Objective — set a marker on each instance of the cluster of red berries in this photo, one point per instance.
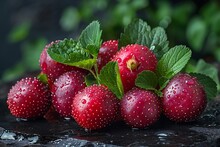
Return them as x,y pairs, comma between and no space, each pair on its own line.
95,106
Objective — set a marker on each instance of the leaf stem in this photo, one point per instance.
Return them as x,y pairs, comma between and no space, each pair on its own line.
97,73
95,76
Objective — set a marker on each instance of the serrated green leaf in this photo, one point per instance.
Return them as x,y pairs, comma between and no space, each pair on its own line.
207,69
90,80
163,81
173,61
71,52
85,64
139,32
90,38
158,42
110,76
135,32
147,80
208,83
93,50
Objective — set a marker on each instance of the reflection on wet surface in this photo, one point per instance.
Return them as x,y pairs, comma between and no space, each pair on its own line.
61,132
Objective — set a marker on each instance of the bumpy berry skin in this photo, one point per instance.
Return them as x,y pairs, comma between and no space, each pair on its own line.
64,89
29,98
106,52
140,108
95,107
184,99
132,60
52,68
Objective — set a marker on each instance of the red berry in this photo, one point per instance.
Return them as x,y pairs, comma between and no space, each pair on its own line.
140,108
184,99
132,60
64,89
95,107
106,52
52,68
29,98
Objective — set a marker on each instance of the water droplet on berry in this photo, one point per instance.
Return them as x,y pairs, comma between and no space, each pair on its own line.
128,98
119,60
184,91
83,101
62,85
190,82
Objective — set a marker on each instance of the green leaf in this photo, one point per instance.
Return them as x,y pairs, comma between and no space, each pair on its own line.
110,77
163,81
158,41
31,51
19,32
215,22
135,32
85,64
139,4
43,78
196,33
182,13
207,69
90,38
71,52
217,53
90,80
173,61
147,80
13,73
208,83
139,32
70,19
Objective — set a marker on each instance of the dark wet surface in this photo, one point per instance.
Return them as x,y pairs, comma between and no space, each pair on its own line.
60,132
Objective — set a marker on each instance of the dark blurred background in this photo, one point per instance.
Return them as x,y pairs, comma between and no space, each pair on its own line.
28,25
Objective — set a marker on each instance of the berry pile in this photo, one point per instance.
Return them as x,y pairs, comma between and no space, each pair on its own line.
134,79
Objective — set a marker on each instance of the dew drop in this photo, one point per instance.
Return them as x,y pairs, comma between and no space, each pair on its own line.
190,82
67,118
62,85
33,139
184,91
119,60
128,98
162,135
83,101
